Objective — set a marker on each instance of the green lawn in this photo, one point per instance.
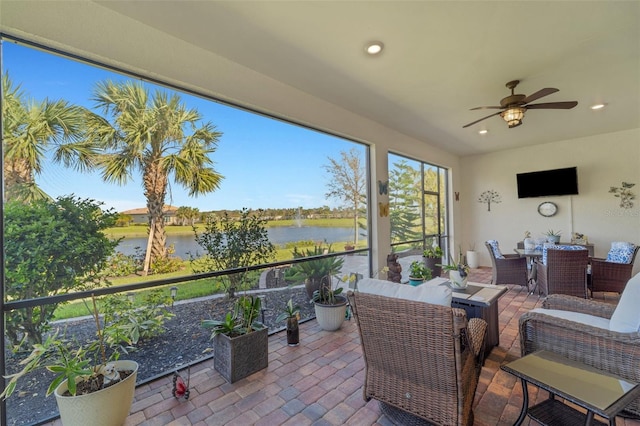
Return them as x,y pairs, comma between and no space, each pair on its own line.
141,230
191,289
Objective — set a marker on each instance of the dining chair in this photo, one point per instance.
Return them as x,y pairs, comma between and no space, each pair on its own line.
563,270
613,272
507,268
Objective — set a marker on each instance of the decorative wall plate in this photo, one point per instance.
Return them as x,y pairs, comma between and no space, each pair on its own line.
547,209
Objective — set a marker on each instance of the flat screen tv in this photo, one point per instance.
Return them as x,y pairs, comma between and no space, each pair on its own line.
548,182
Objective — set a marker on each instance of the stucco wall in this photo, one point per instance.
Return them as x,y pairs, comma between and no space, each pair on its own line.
602,161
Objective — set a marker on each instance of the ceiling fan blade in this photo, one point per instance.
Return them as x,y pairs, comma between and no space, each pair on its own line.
539,94
553,105
486,107
484,118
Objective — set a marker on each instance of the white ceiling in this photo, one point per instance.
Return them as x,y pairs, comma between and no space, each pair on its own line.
441,58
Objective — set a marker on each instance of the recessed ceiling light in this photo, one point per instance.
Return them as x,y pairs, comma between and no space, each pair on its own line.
483,132
374,47
598,106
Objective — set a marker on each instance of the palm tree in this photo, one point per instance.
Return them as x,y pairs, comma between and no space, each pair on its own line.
30,129
187,215
158,137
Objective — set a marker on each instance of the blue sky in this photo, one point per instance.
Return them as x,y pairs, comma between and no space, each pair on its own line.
265,163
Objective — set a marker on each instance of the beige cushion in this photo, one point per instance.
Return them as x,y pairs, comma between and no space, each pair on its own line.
579,317
436,295
626,317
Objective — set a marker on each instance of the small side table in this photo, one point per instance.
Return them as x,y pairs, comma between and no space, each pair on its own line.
596,391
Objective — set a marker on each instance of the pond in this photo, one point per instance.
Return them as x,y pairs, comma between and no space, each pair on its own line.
186,244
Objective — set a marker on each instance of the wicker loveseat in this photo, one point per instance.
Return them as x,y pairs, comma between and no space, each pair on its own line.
422,360
596,333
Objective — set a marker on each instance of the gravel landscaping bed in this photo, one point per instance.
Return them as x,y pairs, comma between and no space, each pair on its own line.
184,342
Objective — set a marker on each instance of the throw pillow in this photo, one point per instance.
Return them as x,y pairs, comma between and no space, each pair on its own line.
436,295
626,317
621,252
495,248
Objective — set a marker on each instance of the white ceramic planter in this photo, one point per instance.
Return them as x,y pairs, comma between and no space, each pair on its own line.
554,239
331,317
107,407
472,259
456,280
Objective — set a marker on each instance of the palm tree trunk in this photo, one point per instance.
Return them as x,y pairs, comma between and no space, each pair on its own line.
156,230
155,187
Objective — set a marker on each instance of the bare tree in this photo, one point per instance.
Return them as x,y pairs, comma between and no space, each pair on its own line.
348,183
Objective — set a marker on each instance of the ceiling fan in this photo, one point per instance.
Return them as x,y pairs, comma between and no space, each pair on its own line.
514,106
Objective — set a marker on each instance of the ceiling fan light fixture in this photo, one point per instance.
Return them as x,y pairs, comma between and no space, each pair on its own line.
374,47
483,131
513,116
598,106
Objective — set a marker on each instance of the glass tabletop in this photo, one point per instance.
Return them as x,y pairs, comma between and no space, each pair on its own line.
528,253
570,379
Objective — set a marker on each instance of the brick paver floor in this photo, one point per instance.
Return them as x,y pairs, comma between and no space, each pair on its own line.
320,381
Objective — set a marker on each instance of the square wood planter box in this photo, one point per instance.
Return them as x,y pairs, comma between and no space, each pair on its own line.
238,357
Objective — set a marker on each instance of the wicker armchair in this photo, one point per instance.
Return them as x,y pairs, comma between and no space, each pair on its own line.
422,361
610,276
510,270
564,273
618,353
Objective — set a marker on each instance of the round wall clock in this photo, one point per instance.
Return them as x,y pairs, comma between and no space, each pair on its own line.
547,209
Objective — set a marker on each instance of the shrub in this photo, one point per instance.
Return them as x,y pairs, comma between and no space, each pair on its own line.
232,243
51,247
126,323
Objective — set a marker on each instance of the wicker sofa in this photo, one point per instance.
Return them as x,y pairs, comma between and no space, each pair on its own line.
595,333
422,360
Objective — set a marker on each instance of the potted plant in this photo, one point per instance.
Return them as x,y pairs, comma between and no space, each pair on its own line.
553,236
240,342
458,273
90,388
418,273
330,305
313,272
431,258
291,313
